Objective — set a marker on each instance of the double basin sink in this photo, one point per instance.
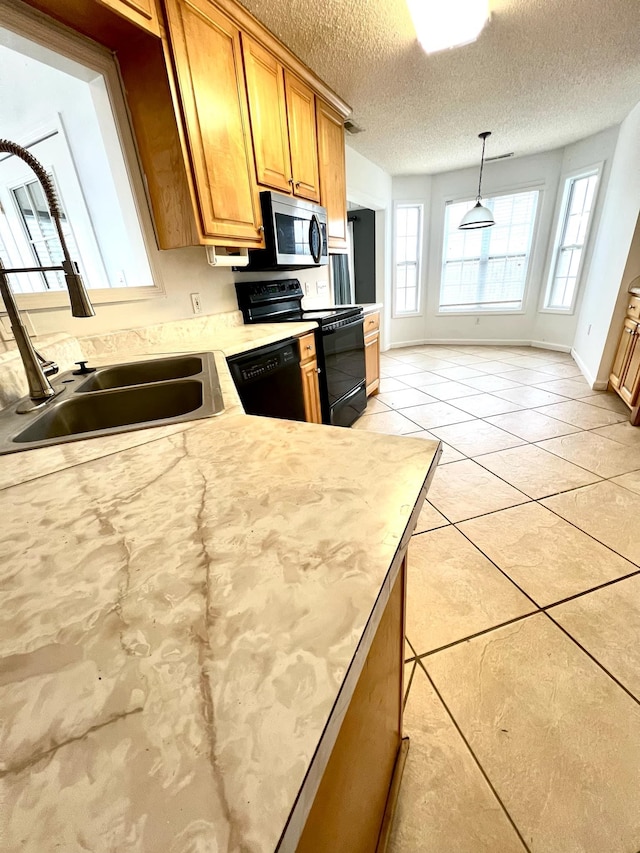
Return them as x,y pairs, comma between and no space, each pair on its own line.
117,398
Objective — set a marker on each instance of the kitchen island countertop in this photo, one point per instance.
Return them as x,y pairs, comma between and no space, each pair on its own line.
181,619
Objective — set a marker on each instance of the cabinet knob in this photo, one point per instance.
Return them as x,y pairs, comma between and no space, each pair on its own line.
630,308
297,184
629,331
291,181
309,346
260,228
318,370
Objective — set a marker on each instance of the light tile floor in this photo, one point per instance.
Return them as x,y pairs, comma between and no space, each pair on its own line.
523,606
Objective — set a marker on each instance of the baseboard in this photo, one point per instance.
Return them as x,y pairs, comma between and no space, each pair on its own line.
597,385
554,347
497,342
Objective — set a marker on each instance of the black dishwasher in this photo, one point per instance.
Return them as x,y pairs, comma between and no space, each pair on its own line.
269,381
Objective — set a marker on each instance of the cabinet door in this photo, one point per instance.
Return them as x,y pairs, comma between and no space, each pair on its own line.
630,384
372,361
311,392
301,115
141,12
333,184
208,63
268,112
622,355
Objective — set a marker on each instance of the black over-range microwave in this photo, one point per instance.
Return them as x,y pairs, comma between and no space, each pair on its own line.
295,233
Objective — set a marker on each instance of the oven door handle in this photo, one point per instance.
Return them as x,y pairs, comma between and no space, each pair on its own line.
329,330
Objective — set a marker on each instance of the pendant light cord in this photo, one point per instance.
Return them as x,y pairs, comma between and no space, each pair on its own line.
484,142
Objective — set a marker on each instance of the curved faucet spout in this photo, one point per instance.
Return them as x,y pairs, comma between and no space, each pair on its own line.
40,389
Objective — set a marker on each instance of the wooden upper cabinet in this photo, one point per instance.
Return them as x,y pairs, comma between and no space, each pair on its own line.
301,115
333,186
268,111
141,12
205,46
106,21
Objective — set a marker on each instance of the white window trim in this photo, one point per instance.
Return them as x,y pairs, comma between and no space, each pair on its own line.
395,314
558,222
511,190
31,25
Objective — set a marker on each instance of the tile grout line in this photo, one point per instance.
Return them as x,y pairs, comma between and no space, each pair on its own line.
475,757
482,633
594,659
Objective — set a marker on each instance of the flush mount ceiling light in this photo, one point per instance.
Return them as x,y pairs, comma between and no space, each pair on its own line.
441,24
479,216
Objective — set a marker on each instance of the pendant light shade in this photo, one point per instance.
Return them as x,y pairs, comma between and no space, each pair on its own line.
479,216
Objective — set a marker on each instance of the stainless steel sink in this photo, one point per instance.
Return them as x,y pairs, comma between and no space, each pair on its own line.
118,398
141,372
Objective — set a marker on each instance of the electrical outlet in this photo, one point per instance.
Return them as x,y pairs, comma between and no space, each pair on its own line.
196,304
5,329
6,332
321,288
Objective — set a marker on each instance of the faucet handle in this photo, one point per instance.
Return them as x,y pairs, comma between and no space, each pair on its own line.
83,369
49,368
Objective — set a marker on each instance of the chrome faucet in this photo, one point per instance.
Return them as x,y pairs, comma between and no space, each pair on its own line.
36,367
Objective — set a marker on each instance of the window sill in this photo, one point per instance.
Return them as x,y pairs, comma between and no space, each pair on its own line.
406,314
53,300
566,311
485,312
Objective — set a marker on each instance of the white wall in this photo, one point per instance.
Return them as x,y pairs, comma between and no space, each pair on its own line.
603,306
543,172
370,186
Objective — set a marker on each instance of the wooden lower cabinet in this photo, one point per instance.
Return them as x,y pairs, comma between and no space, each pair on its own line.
625,372
372,352
310,383
354,804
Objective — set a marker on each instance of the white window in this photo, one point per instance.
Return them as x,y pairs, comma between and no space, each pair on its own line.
573,227
62,102
408,257
486,269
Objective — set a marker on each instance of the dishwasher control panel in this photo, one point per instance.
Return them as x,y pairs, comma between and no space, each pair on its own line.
263,366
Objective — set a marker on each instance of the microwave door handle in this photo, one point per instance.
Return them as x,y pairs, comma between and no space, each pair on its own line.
315,222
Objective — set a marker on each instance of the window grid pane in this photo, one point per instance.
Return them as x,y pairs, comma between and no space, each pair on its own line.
575,223
486,268
41,231
407,258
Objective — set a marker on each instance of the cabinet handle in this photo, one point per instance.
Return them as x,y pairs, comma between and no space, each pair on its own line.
291,181
297,184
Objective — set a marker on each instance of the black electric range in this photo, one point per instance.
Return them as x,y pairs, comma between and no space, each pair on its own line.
339,342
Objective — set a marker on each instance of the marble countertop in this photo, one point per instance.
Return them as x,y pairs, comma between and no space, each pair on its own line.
184,611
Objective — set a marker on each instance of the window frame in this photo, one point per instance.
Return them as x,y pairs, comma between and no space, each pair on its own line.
538,187
395,313
29,25
560,218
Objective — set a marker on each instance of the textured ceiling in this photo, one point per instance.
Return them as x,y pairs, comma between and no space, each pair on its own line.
543,73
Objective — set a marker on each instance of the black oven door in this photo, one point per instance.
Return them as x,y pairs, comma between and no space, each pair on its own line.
344,366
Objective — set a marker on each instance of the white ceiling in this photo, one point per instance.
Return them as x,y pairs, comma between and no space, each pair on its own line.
543,73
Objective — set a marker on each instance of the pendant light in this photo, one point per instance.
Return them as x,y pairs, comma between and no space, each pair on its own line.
479,216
